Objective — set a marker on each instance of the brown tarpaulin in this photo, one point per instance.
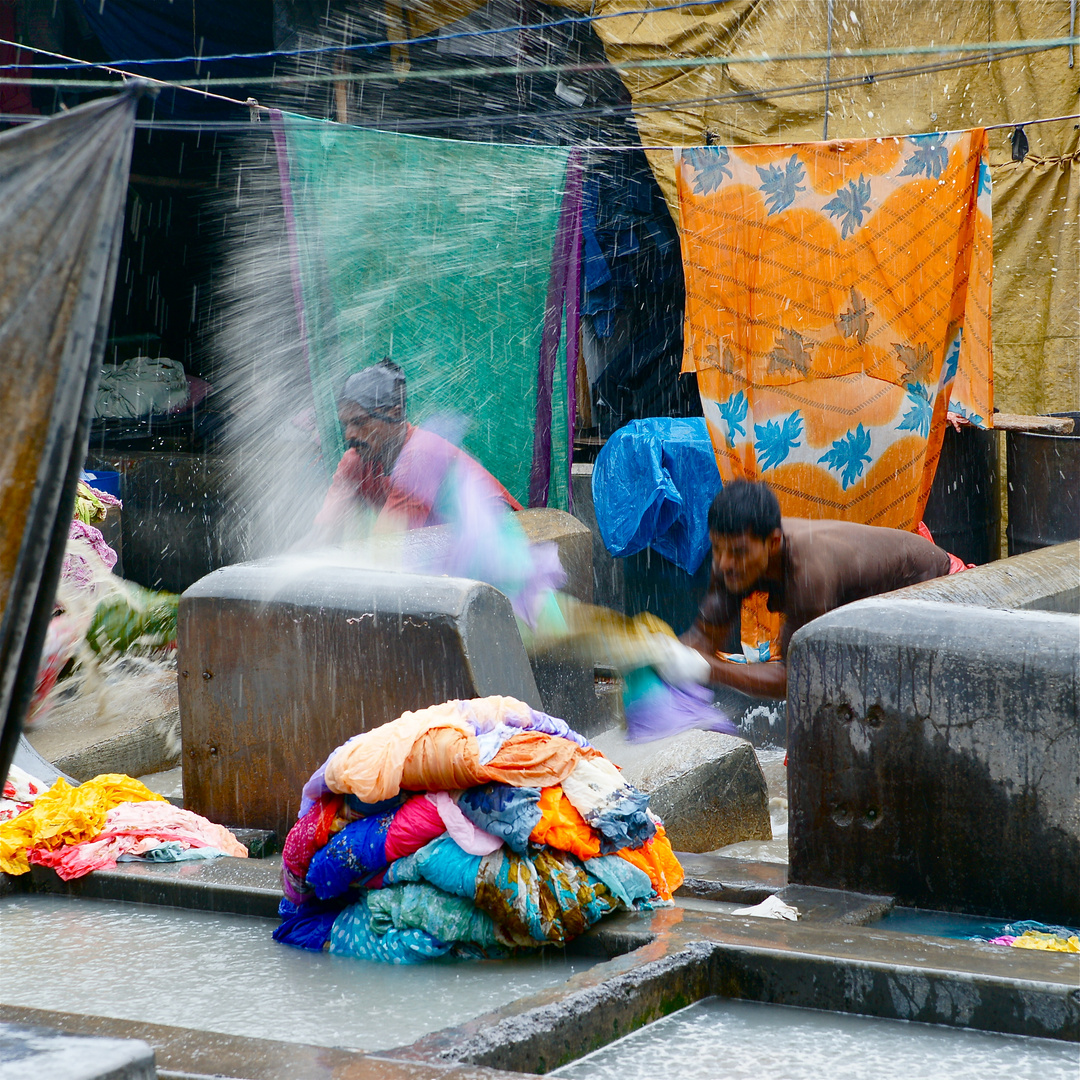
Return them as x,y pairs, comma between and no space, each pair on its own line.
62,188
1035,204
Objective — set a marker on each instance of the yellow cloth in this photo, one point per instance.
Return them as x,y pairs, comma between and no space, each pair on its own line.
1034,939
66,815
605,636
88,507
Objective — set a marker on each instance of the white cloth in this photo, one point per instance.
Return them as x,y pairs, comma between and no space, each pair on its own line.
772,907
141,386
679,665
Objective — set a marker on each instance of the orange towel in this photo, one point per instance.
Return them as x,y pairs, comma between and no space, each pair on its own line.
561,826
442,759
657,859
531,759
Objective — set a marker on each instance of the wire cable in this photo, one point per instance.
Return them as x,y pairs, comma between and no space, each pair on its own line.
372,45
486,119
987,51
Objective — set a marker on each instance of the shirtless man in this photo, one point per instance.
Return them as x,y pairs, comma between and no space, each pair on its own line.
806,567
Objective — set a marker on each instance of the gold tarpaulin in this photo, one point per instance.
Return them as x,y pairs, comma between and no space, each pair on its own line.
1035,203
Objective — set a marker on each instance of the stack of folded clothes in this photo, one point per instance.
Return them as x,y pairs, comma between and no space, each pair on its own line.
468,829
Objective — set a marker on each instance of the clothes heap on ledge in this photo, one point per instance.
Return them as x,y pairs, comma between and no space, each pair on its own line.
112,818
468,829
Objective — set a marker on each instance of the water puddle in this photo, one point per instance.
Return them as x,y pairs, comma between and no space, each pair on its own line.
224,973
744,1040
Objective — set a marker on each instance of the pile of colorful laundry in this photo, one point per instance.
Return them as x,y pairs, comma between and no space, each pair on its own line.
1028,934
105,820
468,829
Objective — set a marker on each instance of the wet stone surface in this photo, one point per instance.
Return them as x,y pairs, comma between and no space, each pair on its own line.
708,788
933,756
38,1053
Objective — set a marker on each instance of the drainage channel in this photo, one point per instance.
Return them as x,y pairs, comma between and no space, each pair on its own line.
630,972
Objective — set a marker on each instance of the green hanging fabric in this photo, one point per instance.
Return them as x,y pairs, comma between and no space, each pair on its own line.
436,253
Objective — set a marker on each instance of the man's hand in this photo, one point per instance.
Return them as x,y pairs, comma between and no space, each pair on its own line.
679,665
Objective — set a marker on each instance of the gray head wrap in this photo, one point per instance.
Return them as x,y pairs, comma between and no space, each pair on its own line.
376,388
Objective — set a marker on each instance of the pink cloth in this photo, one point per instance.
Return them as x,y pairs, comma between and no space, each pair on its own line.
133,828
77,563
469,837
415,824
956,564
407,497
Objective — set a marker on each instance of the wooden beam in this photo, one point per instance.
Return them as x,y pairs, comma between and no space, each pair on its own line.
1043,425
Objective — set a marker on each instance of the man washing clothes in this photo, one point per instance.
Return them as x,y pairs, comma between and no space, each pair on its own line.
392,473
804,568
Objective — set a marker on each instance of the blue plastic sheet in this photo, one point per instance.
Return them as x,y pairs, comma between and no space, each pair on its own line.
653,483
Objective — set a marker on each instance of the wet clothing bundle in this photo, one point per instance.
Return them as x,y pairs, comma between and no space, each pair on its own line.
1029,934
78,829
467,829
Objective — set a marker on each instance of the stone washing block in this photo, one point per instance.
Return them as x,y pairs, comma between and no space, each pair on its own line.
575,543
933,756
608,588
1047,579
567,684
34,1053
707,787
281,661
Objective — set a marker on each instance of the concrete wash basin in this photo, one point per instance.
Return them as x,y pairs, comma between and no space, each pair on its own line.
647,965
651,964
934,742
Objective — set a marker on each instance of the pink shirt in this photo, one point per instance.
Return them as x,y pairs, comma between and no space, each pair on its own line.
407,497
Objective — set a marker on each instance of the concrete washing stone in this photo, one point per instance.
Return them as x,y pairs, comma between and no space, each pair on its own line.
37,1053
281,661
707,787
567,684
574,541
933,755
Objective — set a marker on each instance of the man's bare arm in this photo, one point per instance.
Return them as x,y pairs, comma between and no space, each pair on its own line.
760,680
768,680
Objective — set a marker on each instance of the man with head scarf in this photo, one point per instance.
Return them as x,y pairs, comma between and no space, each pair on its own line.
393,471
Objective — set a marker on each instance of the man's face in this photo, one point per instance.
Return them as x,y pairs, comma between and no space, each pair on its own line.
367,433
740,561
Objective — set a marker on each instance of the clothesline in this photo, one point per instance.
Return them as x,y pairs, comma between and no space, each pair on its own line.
371,45
231,126
987,51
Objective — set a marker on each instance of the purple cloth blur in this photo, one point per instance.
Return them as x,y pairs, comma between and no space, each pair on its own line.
484,541
564,290
665,710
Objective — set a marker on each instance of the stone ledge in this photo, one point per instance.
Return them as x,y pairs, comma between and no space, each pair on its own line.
707,787
40,1053
933,751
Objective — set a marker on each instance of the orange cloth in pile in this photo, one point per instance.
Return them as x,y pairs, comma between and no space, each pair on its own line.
561,826
434,749
657,859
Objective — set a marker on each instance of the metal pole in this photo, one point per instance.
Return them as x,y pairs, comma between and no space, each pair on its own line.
828,66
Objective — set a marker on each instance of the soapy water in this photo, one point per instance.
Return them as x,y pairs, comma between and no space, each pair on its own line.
225,973
744,1040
